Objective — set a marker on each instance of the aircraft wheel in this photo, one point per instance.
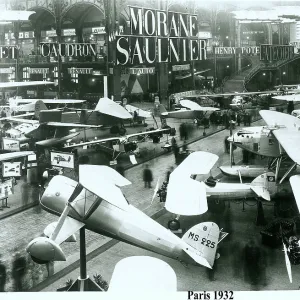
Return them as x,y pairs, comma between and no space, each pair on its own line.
174,224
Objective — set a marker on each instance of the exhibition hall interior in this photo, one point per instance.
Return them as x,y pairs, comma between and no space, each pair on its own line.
149,146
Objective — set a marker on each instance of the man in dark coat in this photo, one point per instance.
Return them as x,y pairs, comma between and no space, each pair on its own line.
147,176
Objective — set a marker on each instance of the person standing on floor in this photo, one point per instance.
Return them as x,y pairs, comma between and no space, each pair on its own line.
147,176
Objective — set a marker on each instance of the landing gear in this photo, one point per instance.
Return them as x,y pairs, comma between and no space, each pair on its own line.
174,225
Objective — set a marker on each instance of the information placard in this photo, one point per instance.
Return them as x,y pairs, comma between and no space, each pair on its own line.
11,169
10,144
62,159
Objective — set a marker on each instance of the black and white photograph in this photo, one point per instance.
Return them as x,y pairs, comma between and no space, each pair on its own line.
10,144
63,160
11,169
150,147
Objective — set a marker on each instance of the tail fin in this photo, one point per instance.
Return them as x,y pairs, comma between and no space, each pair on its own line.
39,105
264,185
203,238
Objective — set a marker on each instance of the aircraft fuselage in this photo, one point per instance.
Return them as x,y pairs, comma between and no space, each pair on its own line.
258,140
127,224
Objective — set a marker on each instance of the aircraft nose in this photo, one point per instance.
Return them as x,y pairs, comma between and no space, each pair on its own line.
59,190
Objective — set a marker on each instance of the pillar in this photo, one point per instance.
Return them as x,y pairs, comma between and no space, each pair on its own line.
270,33
79,35
238,44
163,83
115,84
37,36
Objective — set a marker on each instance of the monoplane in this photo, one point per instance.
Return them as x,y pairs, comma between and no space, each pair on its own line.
97,203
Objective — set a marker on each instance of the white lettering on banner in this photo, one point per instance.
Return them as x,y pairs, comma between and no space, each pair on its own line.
98,30
68,32
276,52
51,33
64,49
6,71
159,36
80,70
138,71
180,67
38,70
9,52
236,50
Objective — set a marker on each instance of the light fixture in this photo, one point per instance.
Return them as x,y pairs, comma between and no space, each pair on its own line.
227,66
170,72
264,74
227,37
283,73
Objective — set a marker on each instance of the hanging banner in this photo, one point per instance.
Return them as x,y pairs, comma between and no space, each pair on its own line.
276,52
138,71
67,49
10,144
6,71
98,30
6,189
80,70
236,50
181,68
159,36
62,159
38,70
9,52
11,169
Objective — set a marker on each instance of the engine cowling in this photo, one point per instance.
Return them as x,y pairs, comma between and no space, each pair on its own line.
43,250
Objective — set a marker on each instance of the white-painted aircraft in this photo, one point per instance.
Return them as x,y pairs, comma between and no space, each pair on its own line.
189,110
14,155
185,201
98,203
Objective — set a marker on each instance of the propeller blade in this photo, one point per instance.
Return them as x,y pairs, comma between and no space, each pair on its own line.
76,192
156,189
288,263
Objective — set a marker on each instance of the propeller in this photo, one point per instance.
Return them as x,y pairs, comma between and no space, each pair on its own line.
155,189
44,249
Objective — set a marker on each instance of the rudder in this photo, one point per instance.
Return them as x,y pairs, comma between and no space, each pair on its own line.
265,182
204,237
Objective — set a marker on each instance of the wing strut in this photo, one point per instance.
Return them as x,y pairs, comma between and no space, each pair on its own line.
278,163
288,172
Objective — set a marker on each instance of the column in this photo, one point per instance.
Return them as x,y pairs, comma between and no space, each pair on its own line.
238,44
79,34
37,36
270,33
16,29
163,83
116,86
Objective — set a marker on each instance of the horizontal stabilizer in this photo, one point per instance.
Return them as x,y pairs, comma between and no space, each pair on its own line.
295,183
204,238
105,183
261,192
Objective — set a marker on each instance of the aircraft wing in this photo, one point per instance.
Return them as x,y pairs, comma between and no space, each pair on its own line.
26,83
109,107
295,97
52,101
104,183
295,184
241,94
186,196
93,142
146,132
195,106
275,118
14,155
20,120
62,124
141,113
290,142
